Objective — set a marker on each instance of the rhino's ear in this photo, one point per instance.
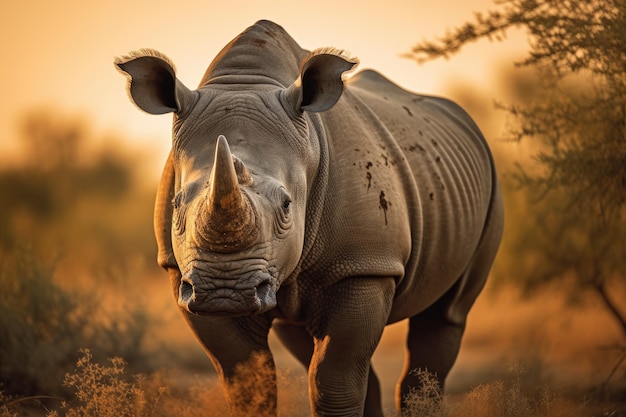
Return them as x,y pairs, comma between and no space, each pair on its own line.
320,83
153,85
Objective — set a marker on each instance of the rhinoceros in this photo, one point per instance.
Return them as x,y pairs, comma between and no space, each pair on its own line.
322,206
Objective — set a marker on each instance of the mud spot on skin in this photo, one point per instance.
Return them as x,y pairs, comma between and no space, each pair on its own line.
408,111
431,196
368,175
443,187
415,146
383,204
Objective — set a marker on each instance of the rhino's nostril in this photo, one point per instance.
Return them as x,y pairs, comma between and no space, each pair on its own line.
186,291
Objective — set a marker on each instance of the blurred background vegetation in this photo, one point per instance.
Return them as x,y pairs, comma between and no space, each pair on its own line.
77,258
77,253
76,228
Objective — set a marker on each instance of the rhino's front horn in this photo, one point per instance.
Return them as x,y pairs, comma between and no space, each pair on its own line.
229,222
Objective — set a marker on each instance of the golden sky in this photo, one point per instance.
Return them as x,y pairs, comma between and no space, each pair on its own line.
60,53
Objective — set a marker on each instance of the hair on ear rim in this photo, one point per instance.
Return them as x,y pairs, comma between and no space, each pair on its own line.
343,54
140,53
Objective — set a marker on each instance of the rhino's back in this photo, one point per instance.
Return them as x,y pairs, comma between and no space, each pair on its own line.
411,180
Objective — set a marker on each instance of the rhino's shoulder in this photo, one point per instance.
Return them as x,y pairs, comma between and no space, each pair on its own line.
383,96
376,84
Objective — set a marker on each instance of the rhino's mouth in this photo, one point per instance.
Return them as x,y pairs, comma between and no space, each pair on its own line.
204,294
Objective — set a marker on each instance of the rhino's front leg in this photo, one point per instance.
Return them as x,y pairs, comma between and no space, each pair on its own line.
350,322
239,351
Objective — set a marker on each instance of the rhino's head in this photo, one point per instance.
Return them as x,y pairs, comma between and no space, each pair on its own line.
231,209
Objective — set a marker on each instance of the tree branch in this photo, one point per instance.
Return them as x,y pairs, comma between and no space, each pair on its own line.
601,289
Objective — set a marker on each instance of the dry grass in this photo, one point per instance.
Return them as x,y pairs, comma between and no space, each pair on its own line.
102,390
503,398
100,387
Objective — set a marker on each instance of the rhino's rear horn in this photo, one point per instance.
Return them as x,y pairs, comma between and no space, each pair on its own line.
229,222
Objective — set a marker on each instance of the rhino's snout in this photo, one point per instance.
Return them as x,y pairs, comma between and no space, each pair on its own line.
226,297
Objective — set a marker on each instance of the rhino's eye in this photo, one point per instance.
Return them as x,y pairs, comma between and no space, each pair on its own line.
283,217
286,200
286,204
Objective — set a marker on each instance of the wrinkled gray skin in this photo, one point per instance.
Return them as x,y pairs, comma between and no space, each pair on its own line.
323,209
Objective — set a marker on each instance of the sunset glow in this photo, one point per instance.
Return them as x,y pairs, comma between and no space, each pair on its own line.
60,54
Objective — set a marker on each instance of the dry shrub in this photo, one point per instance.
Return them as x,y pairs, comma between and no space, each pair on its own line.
106,390
425,401
258,373
165,398
252,388
500,398
102,390
5,406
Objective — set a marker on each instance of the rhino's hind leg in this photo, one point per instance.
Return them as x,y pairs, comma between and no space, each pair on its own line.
300,344
435,334
433,344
